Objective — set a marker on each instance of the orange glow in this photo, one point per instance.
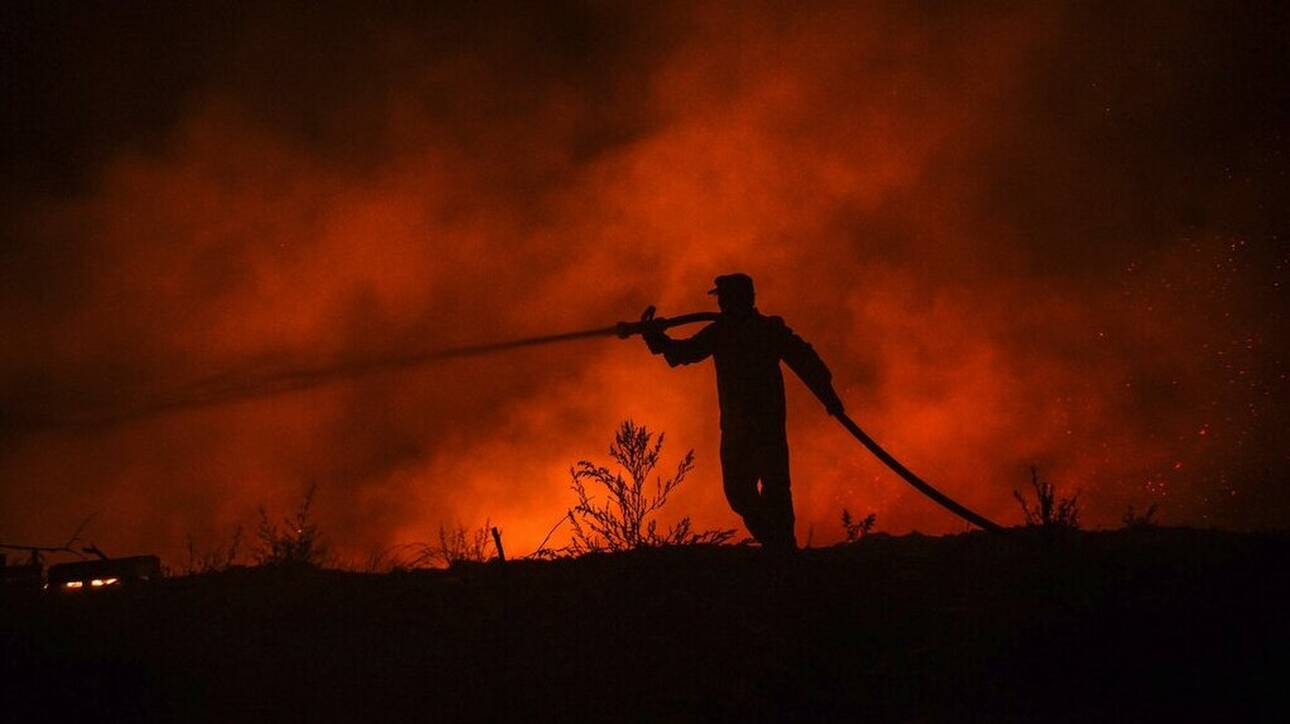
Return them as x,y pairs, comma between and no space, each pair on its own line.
860,163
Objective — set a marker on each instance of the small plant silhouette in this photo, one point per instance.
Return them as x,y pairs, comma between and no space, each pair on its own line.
1050,511
857,529
1134,520
456,545
298,544
624,520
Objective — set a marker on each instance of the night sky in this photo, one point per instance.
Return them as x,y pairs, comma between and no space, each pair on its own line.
1048,234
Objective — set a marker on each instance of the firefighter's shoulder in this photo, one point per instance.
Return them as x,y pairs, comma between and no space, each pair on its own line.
776,323
776,327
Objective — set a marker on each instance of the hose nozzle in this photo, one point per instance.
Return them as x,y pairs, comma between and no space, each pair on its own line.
627,329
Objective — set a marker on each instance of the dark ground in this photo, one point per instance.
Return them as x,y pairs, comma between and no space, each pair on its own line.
1140,625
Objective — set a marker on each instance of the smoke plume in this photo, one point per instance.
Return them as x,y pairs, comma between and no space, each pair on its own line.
1047,234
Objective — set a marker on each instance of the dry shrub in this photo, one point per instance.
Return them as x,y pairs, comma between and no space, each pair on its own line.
857,529
1050,511
453,546
625,520
1134,520
297,544
457,545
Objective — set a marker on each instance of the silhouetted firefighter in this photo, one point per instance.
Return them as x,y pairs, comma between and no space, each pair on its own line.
746,347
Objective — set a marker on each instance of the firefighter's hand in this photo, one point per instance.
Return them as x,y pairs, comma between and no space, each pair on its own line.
651,332
647,321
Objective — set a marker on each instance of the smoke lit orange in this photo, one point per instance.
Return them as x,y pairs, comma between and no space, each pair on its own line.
935,201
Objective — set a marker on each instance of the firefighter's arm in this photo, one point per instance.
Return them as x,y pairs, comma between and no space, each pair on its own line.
801,357
676,351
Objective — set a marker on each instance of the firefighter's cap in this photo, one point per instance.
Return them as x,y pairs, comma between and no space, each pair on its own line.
737,283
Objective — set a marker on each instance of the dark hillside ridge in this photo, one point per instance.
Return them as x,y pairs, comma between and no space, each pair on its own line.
1133,625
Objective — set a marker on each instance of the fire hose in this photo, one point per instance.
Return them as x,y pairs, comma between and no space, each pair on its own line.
626,329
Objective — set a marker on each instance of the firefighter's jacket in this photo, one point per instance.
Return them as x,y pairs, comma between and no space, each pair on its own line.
746,351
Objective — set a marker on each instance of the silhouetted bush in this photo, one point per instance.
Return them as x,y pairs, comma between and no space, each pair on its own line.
1050,511
1132,519
297,544
454,545
856,529
624,520
458,545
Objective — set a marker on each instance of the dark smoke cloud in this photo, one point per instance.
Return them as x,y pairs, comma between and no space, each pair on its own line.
1045,234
